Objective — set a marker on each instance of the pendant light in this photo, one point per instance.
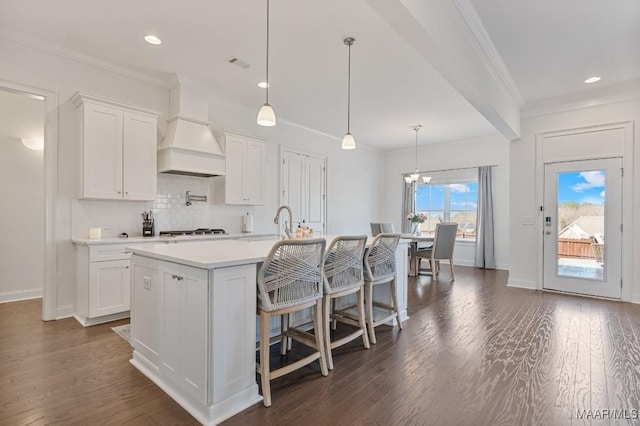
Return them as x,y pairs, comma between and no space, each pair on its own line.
266,115
413,177
348,142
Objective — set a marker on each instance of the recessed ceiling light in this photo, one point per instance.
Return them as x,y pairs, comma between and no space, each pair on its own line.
592,79
263,85
151,39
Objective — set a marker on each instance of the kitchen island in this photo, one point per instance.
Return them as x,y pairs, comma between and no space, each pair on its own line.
193,321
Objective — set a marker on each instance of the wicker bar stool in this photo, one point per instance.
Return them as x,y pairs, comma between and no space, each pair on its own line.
380,268
343,276
290,280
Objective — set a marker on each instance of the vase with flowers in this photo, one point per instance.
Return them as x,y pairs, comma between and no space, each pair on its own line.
416,220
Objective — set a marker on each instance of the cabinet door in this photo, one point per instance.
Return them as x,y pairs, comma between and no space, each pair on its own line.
145,288
234,330
109,287
234,151
184,328
293,171
102,151
253,182
140,165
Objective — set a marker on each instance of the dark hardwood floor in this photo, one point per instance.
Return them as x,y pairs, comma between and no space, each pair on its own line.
474,352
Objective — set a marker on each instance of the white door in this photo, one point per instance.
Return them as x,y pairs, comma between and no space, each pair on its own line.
583,227
303,188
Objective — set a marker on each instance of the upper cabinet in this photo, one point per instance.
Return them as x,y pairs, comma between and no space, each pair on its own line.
118,149
245,164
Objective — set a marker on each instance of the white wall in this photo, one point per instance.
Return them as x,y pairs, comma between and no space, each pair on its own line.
489,150
523,236
22,195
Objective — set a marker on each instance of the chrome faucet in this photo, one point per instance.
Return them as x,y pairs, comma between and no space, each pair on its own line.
190,198
287,230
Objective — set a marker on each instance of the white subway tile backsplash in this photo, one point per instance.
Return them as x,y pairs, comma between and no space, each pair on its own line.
169,210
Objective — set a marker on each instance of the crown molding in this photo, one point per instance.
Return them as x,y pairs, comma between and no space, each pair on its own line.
481,43
19,38
611,94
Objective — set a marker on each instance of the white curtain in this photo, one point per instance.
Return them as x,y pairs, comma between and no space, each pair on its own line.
408,204
485,251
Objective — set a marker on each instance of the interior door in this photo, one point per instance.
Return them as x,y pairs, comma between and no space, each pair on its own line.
583,227
303,188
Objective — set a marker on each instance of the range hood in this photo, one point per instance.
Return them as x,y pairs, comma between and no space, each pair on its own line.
189,147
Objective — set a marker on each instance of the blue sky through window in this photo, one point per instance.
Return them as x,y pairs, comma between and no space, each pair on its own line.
432,197
581,187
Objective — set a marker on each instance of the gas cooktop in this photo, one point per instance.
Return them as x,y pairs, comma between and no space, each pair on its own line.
199,231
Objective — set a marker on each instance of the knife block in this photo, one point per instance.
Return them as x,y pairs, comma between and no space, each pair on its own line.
148,228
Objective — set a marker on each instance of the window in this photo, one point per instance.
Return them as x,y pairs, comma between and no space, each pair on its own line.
449,202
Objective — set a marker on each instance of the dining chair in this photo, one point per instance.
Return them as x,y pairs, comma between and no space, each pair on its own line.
291,279
381,227
343,275
442,249
380,268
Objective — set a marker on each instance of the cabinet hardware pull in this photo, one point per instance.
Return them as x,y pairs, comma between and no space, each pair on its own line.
177,277
126,267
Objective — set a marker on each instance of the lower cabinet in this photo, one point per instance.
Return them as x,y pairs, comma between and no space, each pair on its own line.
108,287
193,333
103,283
184,299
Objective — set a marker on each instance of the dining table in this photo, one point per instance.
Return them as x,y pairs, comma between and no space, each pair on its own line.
413,249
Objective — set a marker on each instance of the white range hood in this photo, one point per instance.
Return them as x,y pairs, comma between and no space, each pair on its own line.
189,147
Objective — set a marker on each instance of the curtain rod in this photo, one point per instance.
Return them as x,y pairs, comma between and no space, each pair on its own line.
449,170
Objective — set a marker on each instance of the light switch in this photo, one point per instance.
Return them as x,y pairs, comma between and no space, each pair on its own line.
146,283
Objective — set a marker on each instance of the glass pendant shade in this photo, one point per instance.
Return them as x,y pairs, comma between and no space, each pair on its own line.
266,116
348,142
426,179
415,176
407,179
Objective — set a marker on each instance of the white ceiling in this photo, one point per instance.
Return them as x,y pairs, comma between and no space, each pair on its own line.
393,87
551,47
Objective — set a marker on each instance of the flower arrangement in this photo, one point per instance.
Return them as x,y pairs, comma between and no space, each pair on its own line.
416,218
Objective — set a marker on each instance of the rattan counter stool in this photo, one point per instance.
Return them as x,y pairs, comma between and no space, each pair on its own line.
380,268
343,275
290,280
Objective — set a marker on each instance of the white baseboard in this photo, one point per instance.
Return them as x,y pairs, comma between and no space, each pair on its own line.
519,283
635,298
65,311
17,295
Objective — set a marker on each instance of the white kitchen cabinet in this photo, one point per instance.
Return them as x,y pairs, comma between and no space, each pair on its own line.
184,324
109,287
103,283
118,149
243,183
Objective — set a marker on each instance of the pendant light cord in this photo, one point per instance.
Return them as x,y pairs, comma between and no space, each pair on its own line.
349,91
267,100
416,130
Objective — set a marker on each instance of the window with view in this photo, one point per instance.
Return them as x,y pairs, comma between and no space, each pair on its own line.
449,202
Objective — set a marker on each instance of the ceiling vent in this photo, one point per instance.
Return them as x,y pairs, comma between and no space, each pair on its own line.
237,62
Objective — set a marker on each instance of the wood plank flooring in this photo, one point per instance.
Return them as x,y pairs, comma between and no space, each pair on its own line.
474,352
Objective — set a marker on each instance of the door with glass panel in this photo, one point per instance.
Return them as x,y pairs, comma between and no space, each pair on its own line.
582,227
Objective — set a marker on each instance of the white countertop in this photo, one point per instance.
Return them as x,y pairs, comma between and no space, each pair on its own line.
163,239
214,254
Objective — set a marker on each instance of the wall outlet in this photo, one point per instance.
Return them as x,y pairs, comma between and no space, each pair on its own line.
146,283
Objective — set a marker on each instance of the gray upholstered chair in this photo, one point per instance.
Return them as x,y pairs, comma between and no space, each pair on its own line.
381,227
380,268
291,279
343,275
442,249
